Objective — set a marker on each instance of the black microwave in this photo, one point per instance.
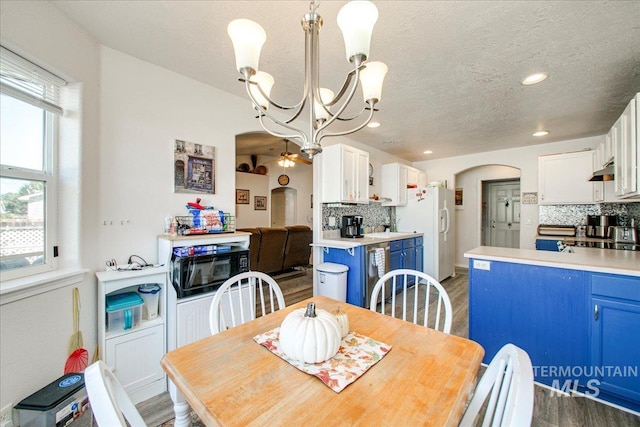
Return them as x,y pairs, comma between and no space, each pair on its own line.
196,274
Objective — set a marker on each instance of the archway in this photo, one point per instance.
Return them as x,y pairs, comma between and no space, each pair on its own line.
469,214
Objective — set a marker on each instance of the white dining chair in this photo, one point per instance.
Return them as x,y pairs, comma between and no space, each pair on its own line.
236,300
509,378
409,292
108,399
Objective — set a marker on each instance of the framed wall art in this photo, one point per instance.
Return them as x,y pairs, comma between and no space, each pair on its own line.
260,203
459,200
242,197
193,167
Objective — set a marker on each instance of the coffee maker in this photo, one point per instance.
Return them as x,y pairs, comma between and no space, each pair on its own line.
351,225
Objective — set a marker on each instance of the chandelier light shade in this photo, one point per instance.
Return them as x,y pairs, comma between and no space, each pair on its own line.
324,106
371,79
356,20
248,38
265,82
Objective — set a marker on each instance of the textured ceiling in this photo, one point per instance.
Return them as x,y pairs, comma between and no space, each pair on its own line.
454,67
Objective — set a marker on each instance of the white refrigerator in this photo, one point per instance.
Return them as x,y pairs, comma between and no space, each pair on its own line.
430,211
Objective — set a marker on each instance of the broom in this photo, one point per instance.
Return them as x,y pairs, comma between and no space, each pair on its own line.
78,356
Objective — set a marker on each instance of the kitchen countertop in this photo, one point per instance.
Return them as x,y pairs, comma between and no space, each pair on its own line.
586,259
368,239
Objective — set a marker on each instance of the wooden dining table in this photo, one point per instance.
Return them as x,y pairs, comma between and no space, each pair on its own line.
425,379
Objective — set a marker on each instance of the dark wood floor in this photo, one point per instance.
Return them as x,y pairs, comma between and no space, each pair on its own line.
549,410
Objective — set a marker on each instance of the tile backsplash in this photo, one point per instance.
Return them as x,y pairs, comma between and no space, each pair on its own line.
373,216
576,214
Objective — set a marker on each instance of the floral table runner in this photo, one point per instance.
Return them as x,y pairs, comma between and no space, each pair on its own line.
356,355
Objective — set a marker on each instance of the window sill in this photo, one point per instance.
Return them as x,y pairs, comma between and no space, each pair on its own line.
15,290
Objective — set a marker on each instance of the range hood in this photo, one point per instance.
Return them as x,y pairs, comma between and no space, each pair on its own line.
605,174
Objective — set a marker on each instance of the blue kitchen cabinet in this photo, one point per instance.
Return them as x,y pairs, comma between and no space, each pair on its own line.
406,253
615,338
356,276
395,255
543,310
409,252
419,251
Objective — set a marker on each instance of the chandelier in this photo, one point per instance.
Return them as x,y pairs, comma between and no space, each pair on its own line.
356,20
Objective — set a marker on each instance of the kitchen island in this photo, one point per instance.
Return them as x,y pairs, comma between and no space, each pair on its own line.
576,314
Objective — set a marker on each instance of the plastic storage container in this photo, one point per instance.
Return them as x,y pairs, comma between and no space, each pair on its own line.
57,404
150,294
124,311
332,280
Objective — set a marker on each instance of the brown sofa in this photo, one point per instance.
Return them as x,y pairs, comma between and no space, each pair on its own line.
254,245
278,249
297,250
271,251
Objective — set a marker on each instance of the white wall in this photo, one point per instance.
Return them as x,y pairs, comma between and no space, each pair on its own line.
246,215
35,331
524,158
144,108
117,166
300,179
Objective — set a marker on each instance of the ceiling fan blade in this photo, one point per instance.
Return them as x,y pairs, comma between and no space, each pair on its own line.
304,161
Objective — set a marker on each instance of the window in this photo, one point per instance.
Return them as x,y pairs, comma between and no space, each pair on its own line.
29,111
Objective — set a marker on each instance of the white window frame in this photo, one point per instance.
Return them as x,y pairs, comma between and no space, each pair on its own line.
48,175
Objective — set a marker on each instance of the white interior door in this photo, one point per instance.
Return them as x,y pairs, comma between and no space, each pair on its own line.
504,215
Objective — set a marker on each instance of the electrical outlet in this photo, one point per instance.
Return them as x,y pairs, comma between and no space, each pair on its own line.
6,416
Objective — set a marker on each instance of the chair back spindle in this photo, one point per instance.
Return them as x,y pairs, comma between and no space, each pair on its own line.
415,295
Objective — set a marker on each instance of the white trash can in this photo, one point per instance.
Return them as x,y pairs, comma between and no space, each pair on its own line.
332,280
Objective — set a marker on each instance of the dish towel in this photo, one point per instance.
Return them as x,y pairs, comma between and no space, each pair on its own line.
373,271
380,261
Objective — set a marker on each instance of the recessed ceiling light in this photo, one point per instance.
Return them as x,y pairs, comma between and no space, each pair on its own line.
534,78
541,133
374,125
428,152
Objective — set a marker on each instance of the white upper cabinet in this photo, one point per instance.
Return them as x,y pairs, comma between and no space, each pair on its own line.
396,179
345,174
627,151
609,148
394,184
416,178
564,179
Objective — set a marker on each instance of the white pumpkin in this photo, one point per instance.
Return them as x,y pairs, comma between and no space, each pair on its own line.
343,321
310,335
